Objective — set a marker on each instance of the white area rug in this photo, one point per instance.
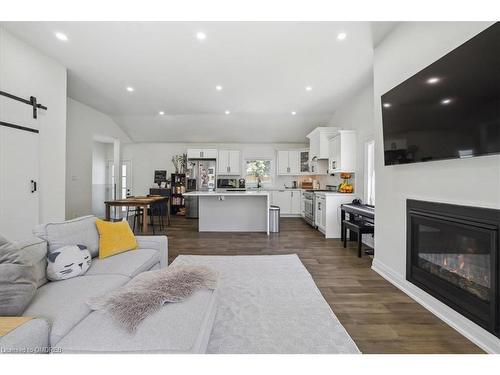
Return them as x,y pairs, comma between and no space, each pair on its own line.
270,304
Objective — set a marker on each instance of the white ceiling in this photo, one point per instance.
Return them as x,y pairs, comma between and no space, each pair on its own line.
263,67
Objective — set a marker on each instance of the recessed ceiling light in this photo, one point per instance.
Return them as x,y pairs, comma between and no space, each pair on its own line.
387,105
62,37
218,87
201,35
227,112
433,80
446,101
341,36
130,89
294,113
161,113
308,88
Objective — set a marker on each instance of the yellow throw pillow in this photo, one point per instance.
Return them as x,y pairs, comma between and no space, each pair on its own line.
114,238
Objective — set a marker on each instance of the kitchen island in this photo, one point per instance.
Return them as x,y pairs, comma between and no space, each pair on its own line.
232,211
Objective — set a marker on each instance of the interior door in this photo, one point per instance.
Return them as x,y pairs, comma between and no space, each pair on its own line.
127,179
19,185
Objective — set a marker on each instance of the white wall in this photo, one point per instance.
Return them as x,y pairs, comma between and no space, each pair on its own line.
147,157
476,181
85,125
100,152
356,113
25,72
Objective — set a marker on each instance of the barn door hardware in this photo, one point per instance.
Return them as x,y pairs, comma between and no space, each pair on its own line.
31,102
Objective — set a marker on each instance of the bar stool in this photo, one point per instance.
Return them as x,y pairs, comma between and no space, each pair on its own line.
359,227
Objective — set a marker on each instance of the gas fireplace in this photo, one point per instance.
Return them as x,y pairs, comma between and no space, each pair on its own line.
453,254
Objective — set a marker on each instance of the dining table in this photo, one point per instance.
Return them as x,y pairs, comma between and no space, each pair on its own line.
143,202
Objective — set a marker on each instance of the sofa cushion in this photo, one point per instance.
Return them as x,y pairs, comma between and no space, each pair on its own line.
31,337
80,231
63,303
34,251
128,264
182,327
68,262
114,238
17,279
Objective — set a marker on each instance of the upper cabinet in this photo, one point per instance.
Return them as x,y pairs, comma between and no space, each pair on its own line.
202,153
304,161
289,162
318,142
228,163
342,152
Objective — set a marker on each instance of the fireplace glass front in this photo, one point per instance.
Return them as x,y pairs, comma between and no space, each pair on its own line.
456,254
452,253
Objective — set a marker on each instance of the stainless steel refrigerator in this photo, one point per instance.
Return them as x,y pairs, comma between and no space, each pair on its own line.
204,173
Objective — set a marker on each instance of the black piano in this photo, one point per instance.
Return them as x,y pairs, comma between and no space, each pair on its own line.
357,213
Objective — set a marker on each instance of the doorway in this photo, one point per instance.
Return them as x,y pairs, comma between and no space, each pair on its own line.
126,185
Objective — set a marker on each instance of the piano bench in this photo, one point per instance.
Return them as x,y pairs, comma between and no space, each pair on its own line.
358,227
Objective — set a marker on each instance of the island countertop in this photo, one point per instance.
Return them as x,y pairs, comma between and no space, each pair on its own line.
226,193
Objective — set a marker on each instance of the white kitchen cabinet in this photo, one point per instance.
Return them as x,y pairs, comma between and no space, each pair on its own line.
320,214
342,152
319,167
318,142
288,162
296,199
289,201
304,162
282,199
228,162
201,153
282,162
327,212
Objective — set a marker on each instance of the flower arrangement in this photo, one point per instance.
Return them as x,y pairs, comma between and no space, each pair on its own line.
180,163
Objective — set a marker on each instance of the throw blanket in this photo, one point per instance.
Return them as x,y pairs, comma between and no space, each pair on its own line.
149,291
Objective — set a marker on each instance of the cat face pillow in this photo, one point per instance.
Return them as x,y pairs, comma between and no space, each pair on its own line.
67,262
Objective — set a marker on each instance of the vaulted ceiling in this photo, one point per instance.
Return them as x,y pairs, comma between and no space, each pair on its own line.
262,67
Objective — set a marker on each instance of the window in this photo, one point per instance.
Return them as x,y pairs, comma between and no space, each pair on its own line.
256,169
370,172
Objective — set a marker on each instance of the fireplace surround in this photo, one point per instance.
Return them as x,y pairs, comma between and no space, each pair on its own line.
453,254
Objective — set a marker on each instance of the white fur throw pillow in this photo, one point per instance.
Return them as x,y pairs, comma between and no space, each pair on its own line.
67,262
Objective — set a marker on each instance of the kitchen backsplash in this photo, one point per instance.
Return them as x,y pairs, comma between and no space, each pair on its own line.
280,181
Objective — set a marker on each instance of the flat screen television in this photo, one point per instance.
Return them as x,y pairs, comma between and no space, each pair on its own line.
450,109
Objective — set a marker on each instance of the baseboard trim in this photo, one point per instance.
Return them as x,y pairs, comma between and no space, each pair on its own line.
482,338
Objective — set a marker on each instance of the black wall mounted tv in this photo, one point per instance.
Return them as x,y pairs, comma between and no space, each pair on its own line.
451,109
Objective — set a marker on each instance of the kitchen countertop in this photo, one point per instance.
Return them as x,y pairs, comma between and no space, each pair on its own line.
331,193
221,193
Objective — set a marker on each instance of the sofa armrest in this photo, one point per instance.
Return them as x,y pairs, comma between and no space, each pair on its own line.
31,337
158,243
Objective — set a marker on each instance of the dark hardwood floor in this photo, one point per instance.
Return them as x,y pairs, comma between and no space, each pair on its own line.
379,317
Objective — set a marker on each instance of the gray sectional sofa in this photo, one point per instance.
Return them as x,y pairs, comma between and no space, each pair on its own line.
65,324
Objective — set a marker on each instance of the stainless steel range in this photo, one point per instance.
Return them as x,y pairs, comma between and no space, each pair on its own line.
308,198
